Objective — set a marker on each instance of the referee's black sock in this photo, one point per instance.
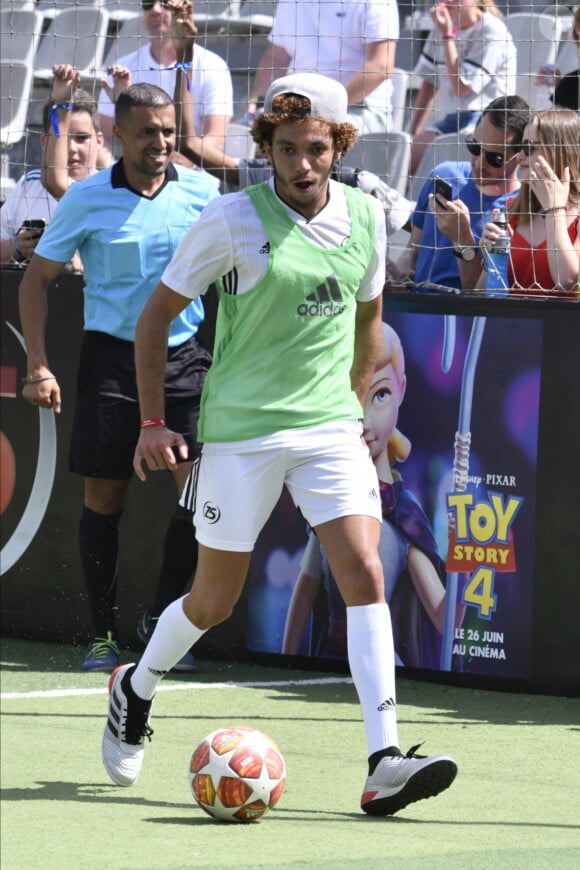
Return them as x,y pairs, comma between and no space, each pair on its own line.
179,561
99,549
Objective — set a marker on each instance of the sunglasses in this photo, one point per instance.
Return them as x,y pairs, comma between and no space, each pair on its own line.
528,147
493,158
147,5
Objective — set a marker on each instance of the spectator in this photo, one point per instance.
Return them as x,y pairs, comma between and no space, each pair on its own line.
545,245
59,165
352,41
565,76
125,222
239,173
30,199
442,249
468,60
210,80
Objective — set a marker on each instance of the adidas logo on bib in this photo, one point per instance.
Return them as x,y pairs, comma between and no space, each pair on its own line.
326,301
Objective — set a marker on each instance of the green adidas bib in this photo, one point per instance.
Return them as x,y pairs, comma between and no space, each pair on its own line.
283,350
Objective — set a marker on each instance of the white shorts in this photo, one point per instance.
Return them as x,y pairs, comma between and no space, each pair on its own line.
233,488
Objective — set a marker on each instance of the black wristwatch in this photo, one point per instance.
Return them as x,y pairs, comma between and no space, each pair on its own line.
466,253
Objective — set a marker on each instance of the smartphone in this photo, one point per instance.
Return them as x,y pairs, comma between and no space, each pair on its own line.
442,188
34,224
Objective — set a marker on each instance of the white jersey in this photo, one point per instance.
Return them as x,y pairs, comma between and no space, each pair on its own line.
243,251
487,65
27,200
331,38
211,82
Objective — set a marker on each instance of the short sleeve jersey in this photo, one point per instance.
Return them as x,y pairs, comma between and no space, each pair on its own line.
27,200
487,65
331,37
436,263
125,240
211,82
276,312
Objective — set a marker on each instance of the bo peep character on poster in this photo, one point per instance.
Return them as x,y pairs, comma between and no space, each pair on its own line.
414,571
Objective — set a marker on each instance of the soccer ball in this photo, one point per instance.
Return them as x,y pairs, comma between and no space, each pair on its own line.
237,774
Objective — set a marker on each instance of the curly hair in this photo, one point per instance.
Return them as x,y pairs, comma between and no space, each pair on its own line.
296,108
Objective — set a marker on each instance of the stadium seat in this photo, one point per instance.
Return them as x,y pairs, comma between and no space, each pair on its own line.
255,16
213,15
536,36
400,80
409,47
386,154
15,91
450,146
52,8
20,31
239,142
131,36
76,36
122,10
18,5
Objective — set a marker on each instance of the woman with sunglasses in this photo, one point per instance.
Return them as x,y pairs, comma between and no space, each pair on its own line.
468,60
545,215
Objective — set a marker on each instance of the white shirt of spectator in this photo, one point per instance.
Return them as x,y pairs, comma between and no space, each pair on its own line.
487,65
27,200
331,37
211,82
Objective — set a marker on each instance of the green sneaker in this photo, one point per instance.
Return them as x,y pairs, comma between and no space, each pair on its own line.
102,655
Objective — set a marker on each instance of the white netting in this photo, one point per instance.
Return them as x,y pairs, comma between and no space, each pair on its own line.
500,55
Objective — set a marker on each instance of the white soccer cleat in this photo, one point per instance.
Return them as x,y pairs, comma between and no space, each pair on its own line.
403,779
126,729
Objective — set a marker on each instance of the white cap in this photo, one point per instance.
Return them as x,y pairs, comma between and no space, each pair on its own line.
328,98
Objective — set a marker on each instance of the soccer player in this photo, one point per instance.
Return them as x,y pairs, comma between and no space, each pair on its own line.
125,222
299,261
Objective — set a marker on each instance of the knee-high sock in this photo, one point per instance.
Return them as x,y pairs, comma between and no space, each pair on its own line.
179,560
372,665
99,549
174,634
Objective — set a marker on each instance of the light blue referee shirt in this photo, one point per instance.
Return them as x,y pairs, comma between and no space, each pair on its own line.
125,241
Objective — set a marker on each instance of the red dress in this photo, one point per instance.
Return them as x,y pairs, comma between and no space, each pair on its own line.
528,268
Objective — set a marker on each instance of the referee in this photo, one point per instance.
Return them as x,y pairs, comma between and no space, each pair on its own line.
125,222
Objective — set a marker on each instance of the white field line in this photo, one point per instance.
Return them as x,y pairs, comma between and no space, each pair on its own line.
180,687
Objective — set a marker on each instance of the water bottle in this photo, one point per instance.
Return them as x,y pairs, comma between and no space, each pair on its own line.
496,282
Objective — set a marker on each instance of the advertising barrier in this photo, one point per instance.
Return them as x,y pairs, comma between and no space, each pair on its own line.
473,421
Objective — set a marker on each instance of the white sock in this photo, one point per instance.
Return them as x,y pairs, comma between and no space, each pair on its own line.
174,634
371,657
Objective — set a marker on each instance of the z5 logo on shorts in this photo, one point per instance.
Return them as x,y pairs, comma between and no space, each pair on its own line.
211,513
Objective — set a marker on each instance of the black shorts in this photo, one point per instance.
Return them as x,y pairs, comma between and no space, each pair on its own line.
107,419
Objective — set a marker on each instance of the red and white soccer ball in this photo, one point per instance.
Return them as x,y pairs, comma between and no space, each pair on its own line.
237,774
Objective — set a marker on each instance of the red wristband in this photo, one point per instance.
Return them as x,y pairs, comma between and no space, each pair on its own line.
153,421
451,35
